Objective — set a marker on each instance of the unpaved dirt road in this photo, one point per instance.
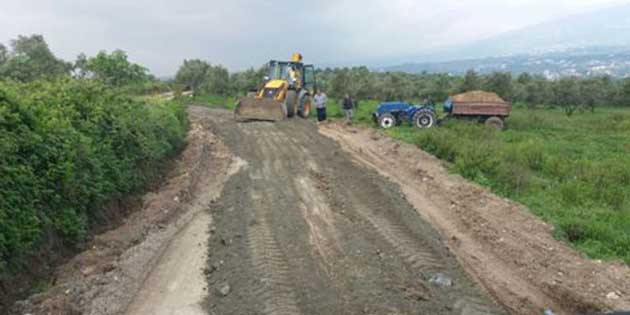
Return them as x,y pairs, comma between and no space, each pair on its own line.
304,230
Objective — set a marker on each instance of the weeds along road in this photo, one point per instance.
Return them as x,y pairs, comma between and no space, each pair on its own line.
301,229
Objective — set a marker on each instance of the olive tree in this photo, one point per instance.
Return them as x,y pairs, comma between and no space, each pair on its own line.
193,74
114,68
30,58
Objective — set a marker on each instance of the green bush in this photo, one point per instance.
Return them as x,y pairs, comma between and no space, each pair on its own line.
67,147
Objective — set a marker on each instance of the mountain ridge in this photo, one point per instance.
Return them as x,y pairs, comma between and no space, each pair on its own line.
596,34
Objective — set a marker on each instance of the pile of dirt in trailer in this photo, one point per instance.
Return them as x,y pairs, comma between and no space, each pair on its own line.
477,97
506,248
105,278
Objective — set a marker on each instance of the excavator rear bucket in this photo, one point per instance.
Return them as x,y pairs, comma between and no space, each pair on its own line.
252,108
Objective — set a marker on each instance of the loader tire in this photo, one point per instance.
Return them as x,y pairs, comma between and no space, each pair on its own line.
290,101
424,119
495,122
304,105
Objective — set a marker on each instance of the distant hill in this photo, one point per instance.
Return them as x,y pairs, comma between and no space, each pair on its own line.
587,43
578,62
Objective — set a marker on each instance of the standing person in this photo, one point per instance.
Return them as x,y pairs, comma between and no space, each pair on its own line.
320,104
347,105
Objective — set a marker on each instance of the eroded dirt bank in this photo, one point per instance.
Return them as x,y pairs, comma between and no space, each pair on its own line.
304,230
106,278
498,241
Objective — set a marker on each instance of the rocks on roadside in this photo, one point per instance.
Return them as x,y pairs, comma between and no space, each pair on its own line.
441,280
224,290
613,296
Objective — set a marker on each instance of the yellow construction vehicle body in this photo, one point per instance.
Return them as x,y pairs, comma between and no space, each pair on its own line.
278,99
275,84
264,109
268,104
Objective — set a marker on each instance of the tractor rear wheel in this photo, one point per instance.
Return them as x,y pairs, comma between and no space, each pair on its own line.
495,122
387,121
424,119
290,101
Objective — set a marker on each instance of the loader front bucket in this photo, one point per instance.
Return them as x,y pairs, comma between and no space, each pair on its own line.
266,109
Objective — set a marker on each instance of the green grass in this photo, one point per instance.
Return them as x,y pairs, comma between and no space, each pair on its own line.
216,101
573,172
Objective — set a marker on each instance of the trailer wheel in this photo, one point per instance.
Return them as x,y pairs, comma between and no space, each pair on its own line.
424,119
495,122
387,121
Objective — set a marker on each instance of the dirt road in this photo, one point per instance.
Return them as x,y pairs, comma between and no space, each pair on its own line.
501,243
304,230
286,218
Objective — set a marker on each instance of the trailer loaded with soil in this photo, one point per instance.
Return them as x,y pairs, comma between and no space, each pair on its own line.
485,107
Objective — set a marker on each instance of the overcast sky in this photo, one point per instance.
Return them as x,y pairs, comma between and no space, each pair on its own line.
244,33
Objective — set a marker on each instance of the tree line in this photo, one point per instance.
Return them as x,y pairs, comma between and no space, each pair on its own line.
28,58
570,93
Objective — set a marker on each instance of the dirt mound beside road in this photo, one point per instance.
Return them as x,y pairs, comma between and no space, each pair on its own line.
506,248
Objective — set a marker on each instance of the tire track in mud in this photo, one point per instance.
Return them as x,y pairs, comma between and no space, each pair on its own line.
419,257
423,260
464,305
324,236
276,292
271,256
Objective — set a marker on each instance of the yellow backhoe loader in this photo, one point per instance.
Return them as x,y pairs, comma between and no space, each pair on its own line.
286,92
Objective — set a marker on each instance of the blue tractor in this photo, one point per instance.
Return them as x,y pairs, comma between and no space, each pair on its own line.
391,114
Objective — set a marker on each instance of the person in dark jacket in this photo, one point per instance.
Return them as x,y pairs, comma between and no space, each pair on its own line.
347,105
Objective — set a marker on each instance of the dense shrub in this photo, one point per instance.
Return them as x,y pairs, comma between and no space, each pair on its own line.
67,147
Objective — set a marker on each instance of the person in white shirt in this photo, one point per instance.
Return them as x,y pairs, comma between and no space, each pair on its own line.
320,104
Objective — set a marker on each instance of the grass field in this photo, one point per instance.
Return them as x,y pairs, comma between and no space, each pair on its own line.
573,172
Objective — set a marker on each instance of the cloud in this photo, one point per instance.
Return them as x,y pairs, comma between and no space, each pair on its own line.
241,33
